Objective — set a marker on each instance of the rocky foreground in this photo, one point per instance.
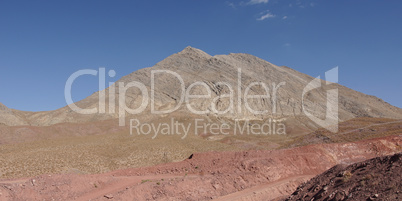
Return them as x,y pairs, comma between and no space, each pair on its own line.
375,179
246,175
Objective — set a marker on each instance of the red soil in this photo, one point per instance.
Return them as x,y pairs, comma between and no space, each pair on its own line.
257,175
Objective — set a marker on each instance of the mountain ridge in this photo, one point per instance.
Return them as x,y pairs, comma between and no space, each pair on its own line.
193,65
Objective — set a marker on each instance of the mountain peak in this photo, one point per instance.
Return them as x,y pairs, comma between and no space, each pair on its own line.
194,51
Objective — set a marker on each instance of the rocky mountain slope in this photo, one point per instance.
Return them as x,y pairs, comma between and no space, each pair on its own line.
194,65
375,179
10,118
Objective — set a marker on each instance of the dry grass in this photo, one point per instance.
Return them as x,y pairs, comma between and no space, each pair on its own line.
350,131
106,152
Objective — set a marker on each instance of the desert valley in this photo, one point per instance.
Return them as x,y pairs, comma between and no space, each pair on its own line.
237,128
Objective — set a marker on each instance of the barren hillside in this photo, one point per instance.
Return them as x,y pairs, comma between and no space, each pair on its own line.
193,65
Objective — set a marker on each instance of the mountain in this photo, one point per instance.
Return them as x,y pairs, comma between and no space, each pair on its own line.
10,118
194,65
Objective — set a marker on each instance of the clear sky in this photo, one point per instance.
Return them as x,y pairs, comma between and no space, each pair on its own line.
43,42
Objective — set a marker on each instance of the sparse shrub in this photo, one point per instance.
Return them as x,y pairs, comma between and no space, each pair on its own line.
347,175
146,180
165,158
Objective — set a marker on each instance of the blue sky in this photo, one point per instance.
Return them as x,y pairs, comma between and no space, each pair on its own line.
43,42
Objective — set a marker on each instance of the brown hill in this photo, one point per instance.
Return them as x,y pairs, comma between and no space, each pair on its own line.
375,179
9,117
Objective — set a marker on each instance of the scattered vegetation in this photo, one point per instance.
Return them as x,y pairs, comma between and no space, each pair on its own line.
144,181
347,175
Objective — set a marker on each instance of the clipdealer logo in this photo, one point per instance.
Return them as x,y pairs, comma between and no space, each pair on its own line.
234,93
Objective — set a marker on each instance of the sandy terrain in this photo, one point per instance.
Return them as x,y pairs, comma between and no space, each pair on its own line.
244,175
